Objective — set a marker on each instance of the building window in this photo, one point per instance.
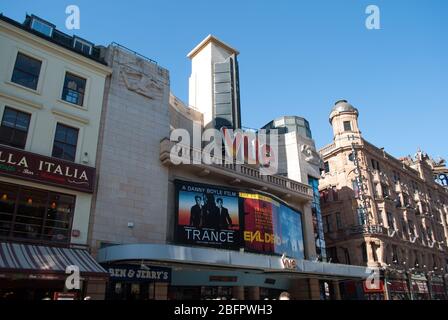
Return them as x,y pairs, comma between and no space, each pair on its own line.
398,203
14,128
395,254
390,220
74,89
82,46
380,218
364,252
396,177
26,71
347,256
411,228
327,224
334,194
355,188
338,221
422,234
404,227
35,215
351,157
406,201
385,190
361,216
429,231
374,251
333,254
308,130
414,186
65,141
326,167
347,126
42,26
375,165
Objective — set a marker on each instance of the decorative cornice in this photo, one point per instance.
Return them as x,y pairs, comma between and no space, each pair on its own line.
211,39
21,100
70,116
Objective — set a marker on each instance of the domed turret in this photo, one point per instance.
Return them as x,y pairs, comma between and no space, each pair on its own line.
342,106
344,120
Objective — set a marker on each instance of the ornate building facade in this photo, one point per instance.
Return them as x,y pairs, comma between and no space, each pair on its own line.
383,212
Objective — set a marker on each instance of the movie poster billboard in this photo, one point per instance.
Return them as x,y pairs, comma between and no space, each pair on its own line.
258,231
289,232
227,218
207,215
271,227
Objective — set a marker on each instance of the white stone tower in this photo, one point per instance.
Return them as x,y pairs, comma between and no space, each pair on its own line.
214,83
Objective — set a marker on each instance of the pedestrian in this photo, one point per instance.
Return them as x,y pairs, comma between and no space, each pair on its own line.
284,296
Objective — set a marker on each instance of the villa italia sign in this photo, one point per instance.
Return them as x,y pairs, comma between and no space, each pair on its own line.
33,167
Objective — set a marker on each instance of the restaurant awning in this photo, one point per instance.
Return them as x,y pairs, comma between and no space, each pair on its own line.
26,258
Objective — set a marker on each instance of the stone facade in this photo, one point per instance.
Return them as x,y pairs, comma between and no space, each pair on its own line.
132,188
387,213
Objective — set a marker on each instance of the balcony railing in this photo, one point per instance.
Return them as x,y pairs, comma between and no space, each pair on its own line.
251,172
326,149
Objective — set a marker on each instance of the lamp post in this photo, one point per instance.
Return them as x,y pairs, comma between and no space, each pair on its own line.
386,286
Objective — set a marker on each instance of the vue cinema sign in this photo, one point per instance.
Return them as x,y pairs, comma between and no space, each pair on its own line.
30,166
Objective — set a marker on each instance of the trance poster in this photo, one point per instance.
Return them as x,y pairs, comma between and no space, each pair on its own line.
207,215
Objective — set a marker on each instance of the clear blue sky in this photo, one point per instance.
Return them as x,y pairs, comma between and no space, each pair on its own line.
296,57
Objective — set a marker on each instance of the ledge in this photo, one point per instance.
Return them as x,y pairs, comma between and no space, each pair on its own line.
70,116
21,100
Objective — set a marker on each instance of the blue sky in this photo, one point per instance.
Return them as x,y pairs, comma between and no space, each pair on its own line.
296,57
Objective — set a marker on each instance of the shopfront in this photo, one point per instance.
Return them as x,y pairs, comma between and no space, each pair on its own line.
437,288
44,217
419,285
374,292
207,282
208,273
34,272
398,289
136,282
39,196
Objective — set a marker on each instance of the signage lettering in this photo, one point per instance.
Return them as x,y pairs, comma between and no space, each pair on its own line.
131,272
47,170
288,263
223,236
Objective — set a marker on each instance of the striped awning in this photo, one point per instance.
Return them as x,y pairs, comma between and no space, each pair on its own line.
15,257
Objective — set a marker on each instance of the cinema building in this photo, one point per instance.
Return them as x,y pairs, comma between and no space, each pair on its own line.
168,229
384,212
51,96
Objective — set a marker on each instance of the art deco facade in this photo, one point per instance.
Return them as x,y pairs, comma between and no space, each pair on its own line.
147,200
383,212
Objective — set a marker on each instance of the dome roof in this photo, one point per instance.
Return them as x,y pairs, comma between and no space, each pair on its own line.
342,106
